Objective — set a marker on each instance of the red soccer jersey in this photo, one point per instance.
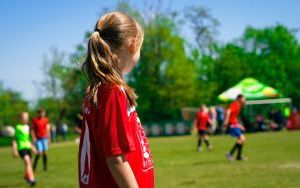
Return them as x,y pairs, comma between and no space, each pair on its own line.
235,108
202,120
39,126
112,128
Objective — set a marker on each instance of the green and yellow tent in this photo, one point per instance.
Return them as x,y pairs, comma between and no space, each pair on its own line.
251,88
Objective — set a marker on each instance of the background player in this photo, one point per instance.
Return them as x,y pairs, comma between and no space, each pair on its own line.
201,123
40,132
235,128
22,147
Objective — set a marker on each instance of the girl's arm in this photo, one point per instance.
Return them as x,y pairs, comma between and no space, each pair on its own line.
14,148
242,127
49,132
121,171
227,118
33,137
211,122
33,149
194,126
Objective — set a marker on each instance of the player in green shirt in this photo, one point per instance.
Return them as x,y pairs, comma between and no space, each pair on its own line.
22,146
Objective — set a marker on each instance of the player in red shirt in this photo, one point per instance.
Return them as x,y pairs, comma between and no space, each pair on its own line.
236,129
114,150
40,131
201,122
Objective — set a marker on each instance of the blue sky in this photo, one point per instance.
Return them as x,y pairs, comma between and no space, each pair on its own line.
30,28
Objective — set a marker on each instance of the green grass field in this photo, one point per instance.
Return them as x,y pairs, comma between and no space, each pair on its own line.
274,161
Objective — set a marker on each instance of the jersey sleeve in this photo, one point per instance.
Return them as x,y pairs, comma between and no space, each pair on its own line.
46,121
117,138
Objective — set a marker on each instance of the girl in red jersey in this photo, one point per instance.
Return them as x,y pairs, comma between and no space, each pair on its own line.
40,132
235,129
201,122
114,150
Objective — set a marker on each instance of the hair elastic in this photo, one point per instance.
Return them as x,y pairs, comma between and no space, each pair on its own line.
98,30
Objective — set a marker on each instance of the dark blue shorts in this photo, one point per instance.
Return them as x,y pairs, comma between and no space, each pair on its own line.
235,132
202,132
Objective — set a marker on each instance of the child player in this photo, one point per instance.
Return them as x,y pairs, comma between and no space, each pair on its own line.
40,132
22,147
114,150
201,122
236,129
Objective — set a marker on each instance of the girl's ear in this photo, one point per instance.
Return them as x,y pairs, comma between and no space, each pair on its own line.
132,45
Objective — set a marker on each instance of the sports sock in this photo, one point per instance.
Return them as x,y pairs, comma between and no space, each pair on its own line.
234,148
45,161
207,142
240,147
36,161
199,142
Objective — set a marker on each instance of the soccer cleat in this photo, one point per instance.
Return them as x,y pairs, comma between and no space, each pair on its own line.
199,149
229,157
210,147
30,182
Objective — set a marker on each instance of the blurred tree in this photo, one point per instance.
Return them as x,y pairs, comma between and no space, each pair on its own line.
12,104
202,50
165,79
277,58
53,71
172,73
52,106
229,68
64,85
270,54
204,26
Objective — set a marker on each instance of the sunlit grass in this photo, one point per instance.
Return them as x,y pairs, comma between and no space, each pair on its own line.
274,161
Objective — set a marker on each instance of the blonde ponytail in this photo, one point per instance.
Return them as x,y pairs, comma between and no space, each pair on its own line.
102,63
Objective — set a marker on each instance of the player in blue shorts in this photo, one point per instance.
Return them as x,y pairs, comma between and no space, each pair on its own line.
235,129
40,132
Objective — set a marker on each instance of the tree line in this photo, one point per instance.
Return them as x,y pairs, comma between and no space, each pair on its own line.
174,72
